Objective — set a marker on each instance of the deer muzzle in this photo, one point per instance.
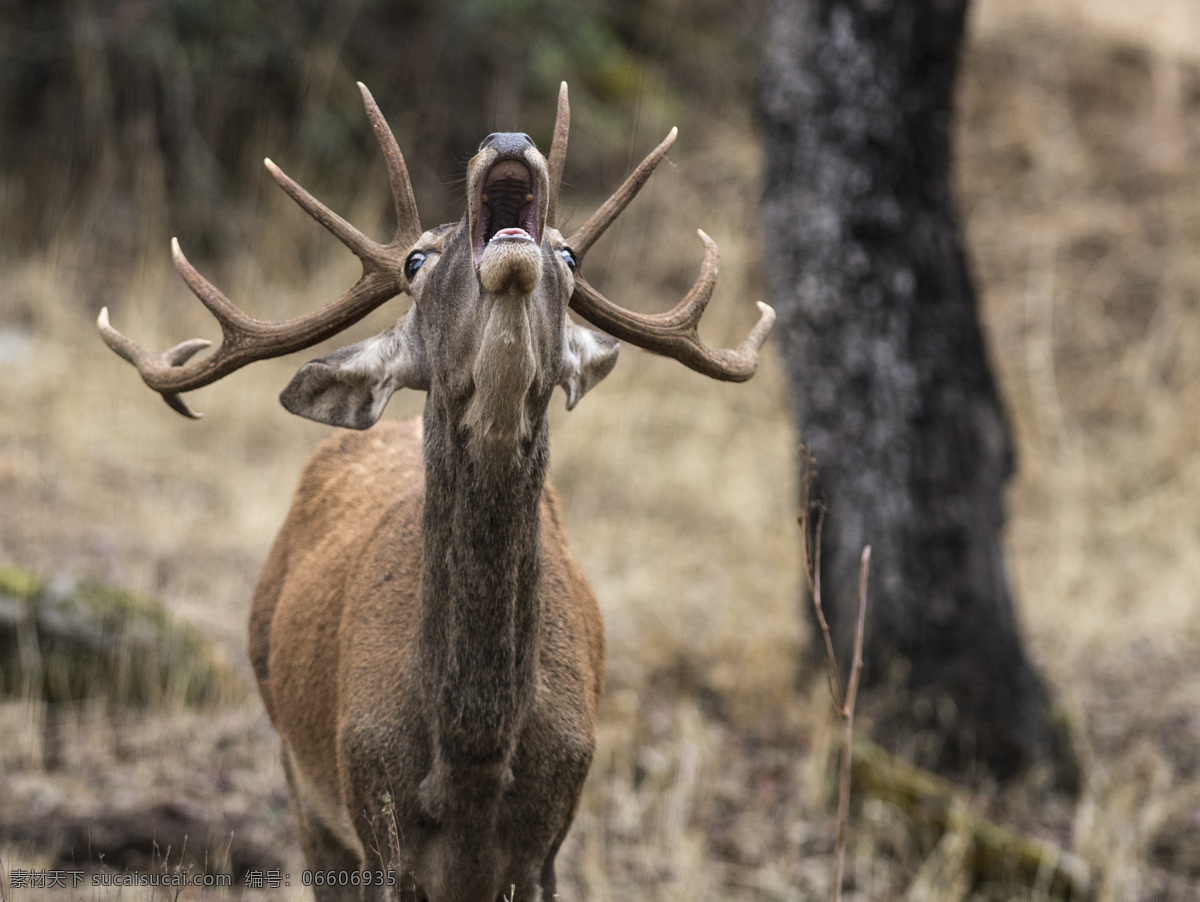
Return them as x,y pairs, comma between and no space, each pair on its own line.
508,192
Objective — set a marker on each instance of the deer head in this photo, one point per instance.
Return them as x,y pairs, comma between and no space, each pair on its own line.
488,324
490,296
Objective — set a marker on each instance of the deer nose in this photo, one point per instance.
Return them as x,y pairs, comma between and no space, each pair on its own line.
507,143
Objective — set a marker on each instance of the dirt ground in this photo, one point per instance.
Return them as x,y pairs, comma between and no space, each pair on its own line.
1080,179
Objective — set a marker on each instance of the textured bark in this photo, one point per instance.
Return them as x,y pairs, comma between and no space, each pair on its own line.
888,366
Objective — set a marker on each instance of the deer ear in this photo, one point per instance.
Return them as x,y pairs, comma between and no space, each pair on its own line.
588,356
351,386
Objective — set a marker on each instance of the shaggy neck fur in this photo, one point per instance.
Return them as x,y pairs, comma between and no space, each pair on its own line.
480,606
505,367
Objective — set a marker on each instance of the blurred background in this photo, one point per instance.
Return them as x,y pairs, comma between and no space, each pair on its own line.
126,122
152,118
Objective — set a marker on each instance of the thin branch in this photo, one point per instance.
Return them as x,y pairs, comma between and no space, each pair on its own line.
843,815
813,570
835,677
859,628
806,507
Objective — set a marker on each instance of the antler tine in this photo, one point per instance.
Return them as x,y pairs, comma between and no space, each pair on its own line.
587,234
149,363
247,339
673,333
408,222
362,246
558,151
232,318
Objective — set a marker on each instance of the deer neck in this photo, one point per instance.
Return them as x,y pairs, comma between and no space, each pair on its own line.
480,604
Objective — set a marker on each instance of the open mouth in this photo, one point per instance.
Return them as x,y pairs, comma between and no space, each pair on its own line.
508,206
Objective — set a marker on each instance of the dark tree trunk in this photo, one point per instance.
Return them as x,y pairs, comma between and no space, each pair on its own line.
888,367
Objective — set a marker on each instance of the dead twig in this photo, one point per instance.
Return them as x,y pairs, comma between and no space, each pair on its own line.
843,815
835,677
813,569
844,701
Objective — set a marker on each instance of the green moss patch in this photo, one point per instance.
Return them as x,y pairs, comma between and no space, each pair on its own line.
69,642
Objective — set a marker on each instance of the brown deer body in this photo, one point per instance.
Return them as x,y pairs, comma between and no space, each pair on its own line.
412,698
424,642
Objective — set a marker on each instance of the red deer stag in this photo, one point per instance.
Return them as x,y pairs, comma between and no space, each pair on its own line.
424,642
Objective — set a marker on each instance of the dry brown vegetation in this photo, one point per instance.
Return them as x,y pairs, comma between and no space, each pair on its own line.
1080,174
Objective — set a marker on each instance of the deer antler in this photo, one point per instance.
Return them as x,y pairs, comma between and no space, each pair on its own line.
558,152
672,334
246,339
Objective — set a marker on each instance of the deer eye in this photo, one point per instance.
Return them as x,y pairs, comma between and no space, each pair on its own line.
569,258
412,263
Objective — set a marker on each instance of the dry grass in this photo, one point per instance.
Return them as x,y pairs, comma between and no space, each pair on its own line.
1080,156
